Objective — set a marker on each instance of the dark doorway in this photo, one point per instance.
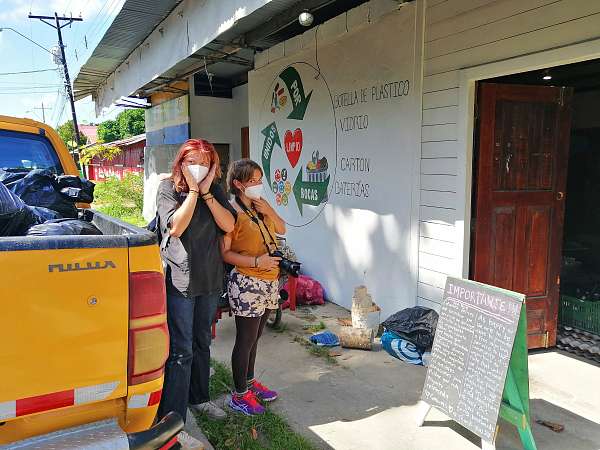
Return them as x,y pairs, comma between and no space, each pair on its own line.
549,248
223,151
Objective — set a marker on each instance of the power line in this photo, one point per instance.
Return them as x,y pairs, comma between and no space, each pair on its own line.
60,115
58,108
49,87
25,37
112,9
28,71
15,83
67,7
95,26
92,24
26,92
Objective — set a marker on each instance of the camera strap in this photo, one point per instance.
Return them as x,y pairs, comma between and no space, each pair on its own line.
257,219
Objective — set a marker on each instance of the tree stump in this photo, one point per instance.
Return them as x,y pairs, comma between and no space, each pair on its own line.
360,338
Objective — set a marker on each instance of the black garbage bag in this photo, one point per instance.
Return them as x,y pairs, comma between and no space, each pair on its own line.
77,194
40,188
15,216
64,227
44,214
79,189
415,324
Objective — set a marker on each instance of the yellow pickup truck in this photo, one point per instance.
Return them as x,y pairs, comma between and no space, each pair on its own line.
82,324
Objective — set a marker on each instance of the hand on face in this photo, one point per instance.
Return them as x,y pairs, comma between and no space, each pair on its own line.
206,183
189,178
198,171
262,206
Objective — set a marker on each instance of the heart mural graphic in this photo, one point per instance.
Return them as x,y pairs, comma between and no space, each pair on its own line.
293,145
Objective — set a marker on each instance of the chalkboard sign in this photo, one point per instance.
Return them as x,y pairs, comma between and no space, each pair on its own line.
471,354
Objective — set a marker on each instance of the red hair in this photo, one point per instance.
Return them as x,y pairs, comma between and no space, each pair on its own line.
190,146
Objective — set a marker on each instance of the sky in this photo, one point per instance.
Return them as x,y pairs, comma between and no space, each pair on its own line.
22,94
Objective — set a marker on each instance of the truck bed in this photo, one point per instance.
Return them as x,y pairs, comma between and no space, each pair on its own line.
65,316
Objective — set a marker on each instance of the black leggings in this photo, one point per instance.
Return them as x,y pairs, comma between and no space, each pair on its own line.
248,331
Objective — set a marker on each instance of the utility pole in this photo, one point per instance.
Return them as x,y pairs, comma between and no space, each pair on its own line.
43,112
58,27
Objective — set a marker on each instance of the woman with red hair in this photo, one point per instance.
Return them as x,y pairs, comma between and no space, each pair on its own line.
193,213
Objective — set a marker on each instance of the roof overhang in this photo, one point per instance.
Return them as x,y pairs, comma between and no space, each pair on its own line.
134,22
184,37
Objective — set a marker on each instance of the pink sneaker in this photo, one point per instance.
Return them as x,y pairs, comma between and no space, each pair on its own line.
246,404
262,392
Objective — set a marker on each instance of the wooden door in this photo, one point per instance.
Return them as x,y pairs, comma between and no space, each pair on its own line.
223,151
520,197
245,135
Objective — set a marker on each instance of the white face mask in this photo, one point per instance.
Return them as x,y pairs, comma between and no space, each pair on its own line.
198,172
254,192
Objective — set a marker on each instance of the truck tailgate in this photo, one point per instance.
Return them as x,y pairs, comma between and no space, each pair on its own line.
64,322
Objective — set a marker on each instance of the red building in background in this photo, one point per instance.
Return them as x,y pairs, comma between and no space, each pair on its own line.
88,133
131,159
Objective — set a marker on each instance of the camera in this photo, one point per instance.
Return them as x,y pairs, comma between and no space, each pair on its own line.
288,266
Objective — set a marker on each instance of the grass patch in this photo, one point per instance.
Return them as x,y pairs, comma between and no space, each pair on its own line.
315,328
268,431
281,328
313,349
222,380
307,315
123,199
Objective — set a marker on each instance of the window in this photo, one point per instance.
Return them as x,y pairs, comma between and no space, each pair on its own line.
27,151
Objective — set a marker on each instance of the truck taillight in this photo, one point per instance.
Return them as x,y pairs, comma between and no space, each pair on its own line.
148,331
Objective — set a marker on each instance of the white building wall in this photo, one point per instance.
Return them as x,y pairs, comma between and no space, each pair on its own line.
355,240
210,119
219,120
462,34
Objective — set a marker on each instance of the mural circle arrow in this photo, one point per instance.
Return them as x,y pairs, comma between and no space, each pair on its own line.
298,135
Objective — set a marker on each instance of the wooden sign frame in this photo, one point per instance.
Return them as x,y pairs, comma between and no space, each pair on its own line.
514,407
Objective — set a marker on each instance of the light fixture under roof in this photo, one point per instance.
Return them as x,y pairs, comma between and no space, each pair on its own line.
547,75
306,18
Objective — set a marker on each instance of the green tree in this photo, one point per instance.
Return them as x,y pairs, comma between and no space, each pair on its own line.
131,123
108,131
67,133
128,123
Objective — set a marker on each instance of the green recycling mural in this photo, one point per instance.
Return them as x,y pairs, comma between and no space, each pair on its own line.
299,142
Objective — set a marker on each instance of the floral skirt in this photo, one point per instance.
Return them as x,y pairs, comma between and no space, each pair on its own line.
251,296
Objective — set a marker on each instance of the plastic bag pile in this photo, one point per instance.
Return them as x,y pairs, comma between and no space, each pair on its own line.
409,334
39,203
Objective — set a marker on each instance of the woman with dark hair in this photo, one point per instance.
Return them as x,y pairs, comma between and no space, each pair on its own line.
193,213
253,286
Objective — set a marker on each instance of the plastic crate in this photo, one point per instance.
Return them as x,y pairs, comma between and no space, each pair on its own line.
577,313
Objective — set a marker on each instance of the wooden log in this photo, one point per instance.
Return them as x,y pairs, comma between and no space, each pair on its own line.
351,337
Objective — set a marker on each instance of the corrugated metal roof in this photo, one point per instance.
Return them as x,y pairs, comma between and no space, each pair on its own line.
134,22
122,142
129,141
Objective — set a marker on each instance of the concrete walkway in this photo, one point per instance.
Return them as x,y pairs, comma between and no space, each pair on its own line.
368,400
